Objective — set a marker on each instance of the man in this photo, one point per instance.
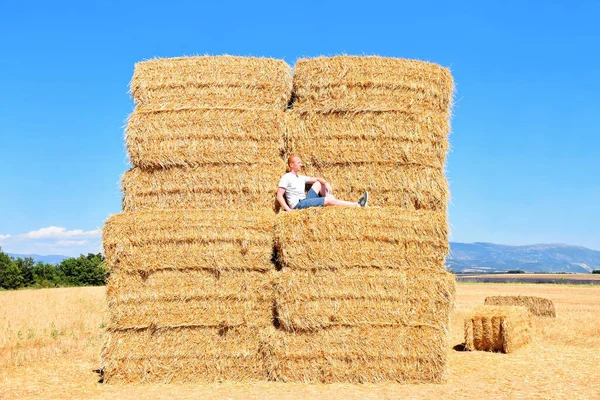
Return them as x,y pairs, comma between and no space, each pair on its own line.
320,194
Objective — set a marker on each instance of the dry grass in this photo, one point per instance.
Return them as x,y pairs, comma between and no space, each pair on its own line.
560,363
536,305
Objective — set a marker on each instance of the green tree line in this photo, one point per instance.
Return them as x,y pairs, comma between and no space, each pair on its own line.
19,273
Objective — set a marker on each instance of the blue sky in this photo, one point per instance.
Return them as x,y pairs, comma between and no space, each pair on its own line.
526,129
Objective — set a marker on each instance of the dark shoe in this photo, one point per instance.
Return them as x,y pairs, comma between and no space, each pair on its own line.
364,200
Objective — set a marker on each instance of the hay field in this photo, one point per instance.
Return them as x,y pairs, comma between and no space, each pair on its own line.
50,344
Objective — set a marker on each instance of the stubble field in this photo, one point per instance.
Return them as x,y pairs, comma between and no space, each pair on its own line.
50,343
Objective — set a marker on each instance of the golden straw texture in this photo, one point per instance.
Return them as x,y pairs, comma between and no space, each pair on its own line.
204,136
235,186
357,355
498,328
190,298
307,300
384,138
182,355
211,82
335,238
213,239
348,83
536,305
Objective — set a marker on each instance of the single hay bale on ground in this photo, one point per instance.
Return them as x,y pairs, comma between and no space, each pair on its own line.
536,305
182,355
204,136
410,187
211,82
310,300
213,239
189,298
350,83
407,354
338,238
498,328
235,186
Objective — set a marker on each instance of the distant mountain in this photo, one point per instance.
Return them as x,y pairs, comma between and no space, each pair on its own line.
489,257
51,259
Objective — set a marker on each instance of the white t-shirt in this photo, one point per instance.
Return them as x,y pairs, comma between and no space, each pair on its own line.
294,188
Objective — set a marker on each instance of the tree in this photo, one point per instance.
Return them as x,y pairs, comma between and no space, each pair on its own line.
26,268
596,271
10,275
83,271
45,275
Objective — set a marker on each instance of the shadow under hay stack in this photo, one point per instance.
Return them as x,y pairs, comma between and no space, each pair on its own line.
190,287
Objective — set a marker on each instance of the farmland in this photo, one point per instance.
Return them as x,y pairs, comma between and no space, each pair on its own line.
50,343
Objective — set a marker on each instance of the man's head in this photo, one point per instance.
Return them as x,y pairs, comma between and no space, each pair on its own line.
295,164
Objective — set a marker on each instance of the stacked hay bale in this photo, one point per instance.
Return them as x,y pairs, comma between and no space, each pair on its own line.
190,257
538,306
498,328
363,294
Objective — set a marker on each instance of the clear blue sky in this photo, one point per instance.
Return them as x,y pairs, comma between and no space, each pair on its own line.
525,164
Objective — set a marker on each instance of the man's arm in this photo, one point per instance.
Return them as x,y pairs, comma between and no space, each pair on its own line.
312,180
281,199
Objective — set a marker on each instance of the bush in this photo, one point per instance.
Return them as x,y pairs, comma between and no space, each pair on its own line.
596,271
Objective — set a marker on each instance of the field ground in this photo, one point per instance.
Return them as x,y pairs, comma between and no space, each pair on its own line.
50,342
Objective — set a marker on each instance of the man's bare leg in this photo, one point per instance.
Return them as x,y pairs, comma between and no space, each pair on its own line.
332,201
322,190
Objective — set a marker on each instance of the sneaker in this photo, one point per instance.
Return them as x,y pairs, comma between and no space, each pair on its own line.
364,200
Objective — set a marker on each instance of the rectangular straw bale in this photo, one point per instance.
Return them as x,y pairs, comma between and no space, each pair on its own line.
235,186
349,83
411,187
336,238
182,355
221,81
310,300
498,328
204,136
189,298
340,138
536,305
407,354
216,239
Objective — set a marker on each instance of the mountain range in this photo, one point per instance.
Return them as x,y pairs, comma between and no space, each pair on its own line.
488,257
51,259
481,257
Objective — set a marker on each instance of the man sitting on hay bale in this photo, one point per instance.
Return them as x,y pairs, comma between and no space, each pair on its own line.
292,186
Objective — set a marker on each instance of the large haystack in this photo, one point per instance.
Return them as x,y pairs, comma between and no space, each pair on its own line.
536,305
498,328
360,295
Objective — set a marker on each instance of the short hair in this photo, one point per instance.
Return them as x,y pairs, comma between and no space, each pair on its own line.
290,159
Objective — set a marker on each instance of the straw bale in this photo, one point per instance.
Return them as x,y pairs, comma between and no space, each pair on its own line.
348,83
182,355
342,138
214,239
204,136
405,354
336,238
236,186
536,305
221,81
391,125
189,298
411,187
498,328
309,300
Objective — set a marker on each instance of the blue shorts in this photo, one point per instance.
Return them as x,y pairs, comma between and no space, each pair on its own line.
312,200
